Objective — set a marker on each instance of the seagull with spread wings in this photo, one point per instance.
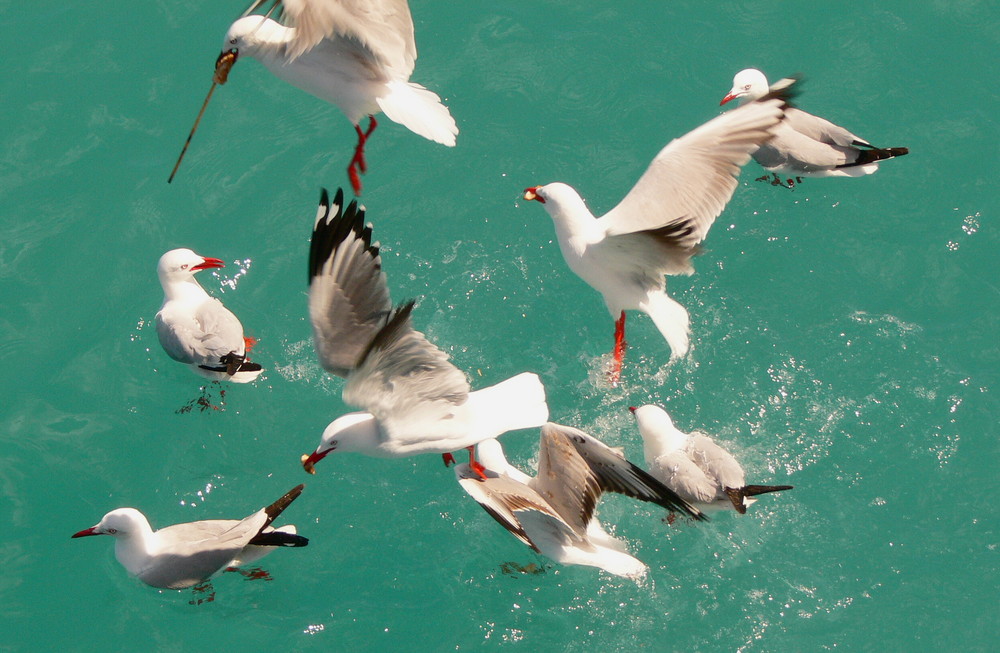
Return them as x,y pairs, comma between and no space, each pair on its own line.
656,229
554,512
414,400
355,54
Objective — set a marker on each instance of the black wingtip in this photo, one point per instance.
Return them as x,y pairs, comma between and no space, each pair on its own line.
334,223
754,490
876,154
279,506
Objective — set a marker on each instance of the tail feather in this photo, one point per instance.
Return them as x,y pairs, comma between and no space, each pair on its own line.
671,319
419,110
517,403
279,538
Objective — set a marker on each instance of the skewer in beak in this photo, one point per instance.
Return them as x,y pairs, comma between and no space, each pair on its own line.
222,67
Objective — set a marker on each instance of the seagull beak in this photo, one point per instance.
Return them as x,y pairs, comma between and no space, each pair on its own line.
86,532
731,96
532,194
633,409
223,65
309,461
209,263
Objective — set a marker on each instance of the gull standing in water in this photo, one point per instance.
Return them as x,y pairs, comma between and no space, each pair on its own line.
184,555
805,145
693,465
555,512
355,54
415,400
195,328
656,228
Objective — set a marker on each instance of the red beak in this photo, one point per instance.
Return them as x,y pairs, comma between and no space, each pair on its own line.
209,263
633,409
85,532
729,97
532,194
309,462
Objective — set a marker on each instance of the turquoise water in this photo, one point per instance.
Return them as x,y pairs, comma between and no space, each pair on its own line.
844,333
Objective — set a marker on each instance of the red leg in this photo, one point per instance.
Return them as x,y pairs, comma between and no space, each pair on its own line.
476,466
449,459
248,343
619,351
205,588
358,166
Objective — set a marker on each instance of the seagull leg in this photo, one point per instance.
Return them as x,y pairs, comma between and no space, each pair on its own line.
358,166
204,588
449,459
619,350
476,466
256,573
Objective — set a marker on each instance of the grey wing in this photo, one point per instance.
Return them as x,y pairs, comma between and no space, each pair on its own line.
504,499
205,337
795,151
611,472
192,552
716,461
348,295
821,129
407,383
683,476
384,27
691,180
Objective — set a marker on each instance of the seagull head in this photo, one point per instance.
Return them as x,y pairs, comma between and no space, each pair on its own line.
659,435
351,432
180,265
560,200
748,84
249,35
118,523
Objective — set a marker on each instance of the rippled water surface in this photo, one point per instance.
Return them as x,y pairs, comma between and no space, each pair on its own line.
844,333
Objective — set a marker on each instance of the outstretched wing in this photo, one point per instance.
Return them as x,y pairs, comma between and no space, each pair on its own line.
348,295
383,27
691,180
575,468
407,383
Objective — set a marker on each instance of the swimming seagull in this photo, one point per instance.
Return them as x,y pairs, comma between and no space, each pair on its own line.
656,228
554,512
805,145
694,465
195,328
184,555
355,55
415,400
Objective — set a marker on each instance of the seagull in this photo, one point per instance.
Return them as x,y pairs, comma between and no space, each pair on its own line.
355,55
184,555
656,228
415,400
805,145
554,512
693,465
195,328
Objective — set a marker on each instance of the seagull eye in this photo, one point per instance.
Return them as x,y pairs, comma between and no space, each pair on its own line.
746,88
232,41
184,267
112,531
